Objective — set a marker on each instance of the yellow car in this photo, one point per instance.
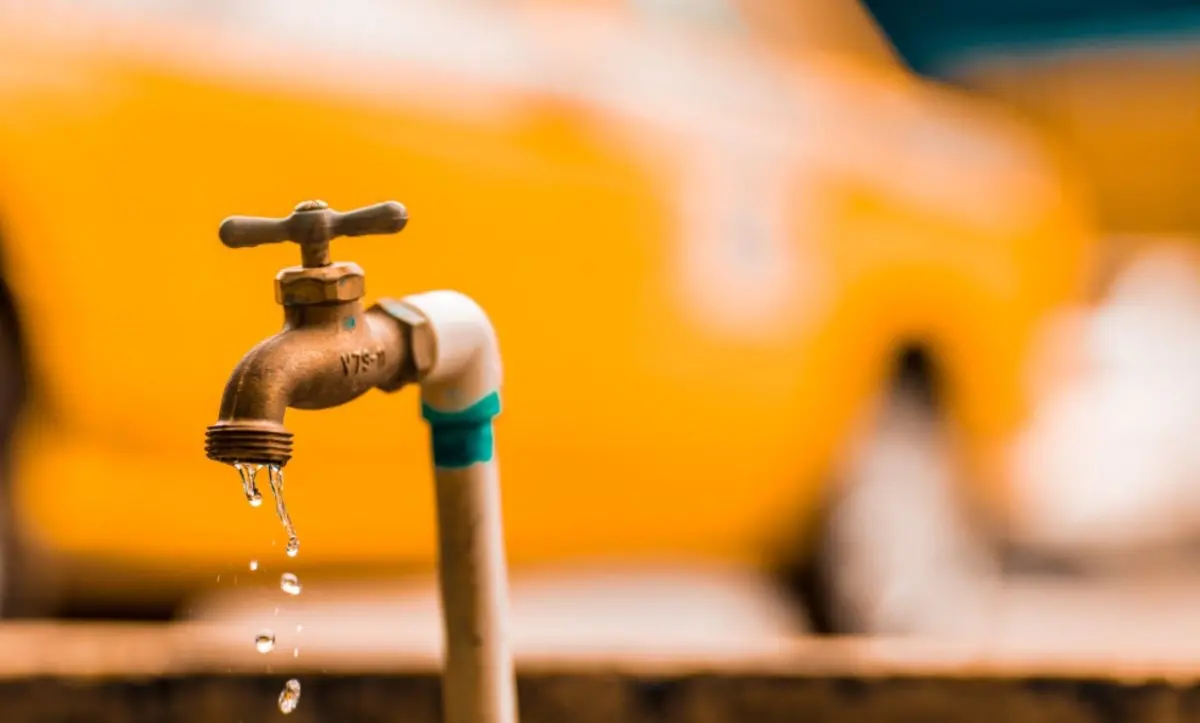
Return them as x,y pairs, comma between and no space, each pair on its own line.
705,233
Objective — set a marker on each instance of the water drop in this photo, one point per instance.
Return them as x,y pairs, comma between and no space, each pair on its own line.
299,628
289,584
264,642
253,565
276,479
289,698
295,652
218,578
248,475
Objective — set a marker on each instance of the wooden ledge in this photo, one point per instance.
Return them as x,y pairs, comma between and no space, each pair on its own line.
134,673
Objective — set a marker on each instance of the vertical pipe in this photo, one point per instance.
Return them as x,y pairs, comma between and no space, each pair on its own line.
459,399
477,684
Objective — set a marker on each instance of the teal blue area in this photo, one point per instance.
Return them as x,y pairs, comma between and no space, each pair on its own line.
461,439
349,323
935,37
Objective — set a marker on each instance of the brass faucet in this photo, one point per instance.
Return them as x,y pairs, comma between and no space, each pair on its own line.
330,350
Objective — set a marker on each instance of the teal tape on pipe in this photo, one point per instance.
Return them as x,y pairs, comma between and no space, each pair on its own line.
461,439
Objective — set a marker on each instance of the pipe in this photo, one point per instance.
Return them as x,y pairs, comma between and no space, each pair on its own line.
458,368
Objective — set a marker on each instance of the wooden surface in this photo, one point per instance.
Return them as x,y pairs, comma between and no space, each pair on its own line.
185,673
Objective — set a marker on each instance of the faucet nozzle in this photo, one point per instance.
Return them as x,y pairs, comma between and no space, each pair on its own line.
258,441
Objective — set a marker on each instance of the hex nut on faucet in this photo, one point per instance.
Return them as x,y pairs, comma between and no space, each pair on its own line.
419,337
297,285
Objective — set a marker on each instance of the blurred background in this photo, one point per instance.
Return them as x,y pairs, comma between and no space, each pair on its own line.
817,316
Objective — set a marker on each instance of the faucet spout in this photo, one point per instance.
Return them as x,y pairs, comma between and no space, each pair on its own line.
325,356
261,385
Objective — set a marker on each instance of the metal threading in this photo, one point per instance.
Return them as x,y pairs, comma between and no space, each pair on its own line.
232,442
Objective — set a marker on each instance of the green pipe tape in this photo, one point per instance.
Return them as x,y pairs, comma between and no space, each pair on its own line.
464,438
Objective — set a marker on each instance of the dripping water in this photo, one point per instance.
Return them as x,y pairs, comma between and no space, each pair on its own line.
289,583
264,642
249,473
276,480
289,697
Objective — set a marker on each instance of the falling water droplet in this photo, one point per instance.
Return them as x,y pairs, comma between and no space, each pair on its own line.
248,475
276,479
264,642
299,628
289,584
253,565
289,698
295,652
218,578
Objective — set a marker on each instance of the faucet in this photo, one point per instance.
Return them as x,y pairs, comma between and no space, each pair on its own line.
331,351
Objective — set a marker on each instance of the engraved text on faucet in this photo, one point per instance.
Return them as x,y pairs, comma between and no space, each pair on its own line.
360,362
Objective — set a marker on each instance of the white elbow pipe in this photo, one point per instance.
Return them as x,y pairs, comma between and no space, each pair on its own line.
464,366
458,368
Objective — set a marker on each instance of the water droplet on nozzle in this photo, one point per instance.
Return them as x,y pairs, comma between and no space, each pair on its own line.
248,475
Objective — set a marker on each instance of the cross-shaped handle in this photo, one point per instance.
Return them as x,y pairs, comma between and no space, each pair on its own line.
313,225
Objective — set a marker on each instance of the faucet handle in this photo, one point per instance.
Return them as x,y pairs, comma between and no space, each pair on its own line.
313,225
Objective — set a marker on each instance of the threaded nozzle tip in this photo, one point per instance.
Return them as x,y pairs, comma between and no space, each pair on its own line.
251,442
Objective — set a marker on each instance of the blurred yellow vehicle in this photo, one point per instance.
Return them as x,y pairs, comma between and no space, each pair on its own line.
1116,84
705,233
